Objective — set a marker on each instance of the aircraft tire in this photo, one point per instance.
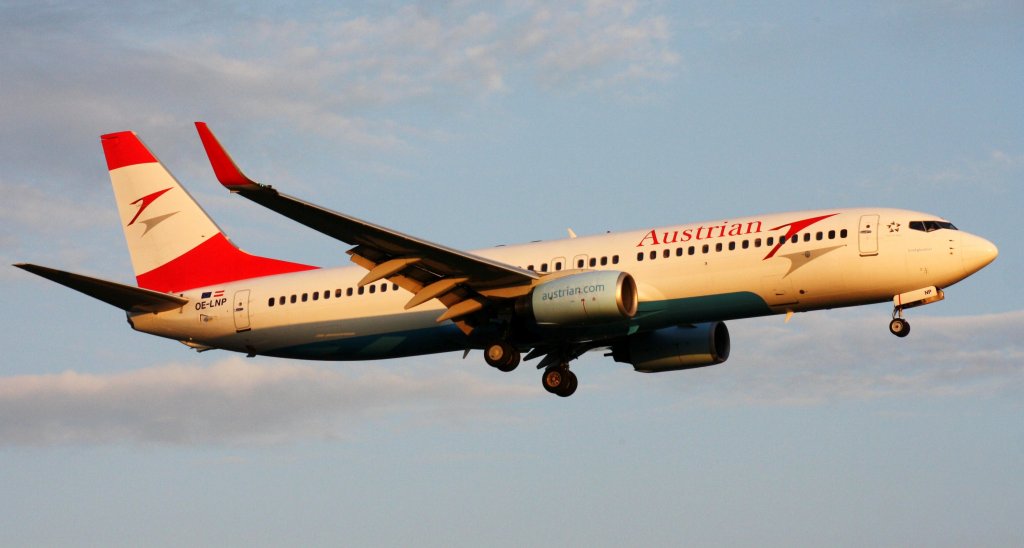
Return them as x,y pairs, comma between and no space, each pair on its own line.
502,356
899,327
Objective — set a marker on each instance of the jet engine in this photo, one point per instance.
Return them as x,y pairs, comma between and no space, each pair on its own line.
675,348
586,298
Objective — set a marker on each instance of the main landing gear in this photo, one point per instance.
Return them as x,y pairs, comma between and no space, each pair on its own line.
557,379
502,356
560,381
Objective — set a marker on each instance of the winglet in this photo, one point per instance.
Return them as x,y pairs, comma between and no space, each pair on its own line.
223,166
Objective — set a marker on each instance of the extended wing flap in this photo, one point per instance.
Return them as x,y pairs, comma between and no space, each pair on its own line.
125,297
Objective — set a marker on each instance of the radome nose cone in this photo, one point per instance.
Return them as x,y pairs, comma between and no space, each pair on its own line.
977,253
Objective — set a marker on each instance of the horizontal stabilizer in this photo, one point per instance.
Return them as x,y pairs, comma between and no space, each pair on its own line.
125,297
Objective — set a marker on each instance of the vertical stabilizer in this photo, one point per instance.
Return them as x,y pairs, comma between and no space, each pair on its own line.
174,245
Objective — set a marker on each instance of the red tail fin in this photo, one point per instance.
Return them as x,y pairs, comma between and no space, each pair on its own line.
173,243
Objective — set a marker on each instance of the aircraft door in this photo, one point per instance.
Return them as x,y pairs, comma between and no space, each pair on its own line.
868,235
241,308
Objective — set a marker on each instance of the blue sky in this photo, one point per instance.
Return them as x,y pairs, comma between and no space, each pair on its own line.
475,124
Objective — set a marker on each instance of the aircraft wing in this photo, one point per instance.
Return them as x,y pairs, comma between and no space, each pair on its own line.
465,283
125,297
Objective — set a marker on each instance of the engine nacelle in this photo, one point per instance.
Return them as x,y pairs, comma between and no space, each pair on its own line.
586,298
675,348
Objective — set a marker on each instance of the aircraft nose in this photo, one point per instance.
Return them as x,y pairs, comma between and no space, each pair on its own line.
977,253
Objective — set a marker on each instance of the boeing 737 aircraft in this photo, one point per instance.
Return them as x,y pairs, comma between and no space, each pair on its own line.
655,298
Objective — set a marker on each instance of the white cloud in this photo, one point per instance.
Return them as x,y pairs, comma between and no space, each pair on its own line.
326,72
236,401
849,356
836,357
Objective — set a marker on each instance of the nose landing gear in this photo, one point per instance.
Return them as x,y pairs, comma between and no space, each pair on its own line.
899,326
926,295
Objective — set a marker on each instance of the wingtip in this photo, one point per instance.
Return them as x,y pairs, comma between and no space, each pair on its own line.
224,167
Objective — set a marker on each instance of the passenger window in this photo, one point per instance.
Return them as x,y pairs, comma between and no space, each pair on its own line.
831,234
558,265
530,267
316,295
654,255
843,233
770,240
383,287
348,292
280,300
615,259
705,249
293,299
362,290
544,267
305,297
373,289
327,294
667,253
691,250
640,256
718,247
337,293
746,244
795,238
579,263
732,246
270,302
819,236
757,242
394,287
604,261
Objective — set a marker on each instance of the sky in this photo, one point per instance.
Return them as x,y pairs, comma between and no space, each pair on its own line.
477,124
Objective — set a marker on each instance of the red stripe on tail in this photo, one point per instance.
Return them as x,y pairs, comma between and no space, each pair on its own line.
212,262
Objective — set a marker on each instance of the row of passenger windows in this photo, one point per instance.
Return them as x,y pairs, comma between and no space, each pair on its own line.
745,244
580,263
326,294
557,265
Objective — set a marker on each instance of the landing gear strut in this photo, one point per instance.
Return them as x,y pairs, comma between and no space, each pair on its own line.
502,356
560,381
926,295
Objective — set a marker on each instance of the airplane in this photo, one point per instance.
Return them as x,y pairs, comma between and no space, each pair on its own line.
656,298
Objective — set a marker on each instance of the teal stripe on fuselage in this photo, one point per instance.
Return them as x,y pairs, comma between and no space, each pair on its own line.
706,308
448,338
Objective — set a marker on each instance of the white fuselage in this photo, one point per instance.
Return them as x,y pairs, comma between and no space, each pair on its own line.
685,274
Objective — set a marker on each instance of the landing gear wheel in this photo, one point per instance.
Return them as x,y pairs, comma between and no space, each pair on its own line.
501,356
899,327
560,381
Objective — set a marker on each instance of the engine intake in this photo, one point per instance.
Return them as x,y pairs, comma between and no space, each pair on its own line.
582,299
675,348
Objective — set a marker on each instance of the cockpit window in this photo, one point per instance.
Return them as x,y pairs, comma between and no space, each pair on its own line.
931,226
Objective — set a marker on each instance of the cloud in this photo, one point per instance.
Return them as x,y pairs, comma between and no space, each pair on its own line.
236,401
837,357
849,356
328,72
